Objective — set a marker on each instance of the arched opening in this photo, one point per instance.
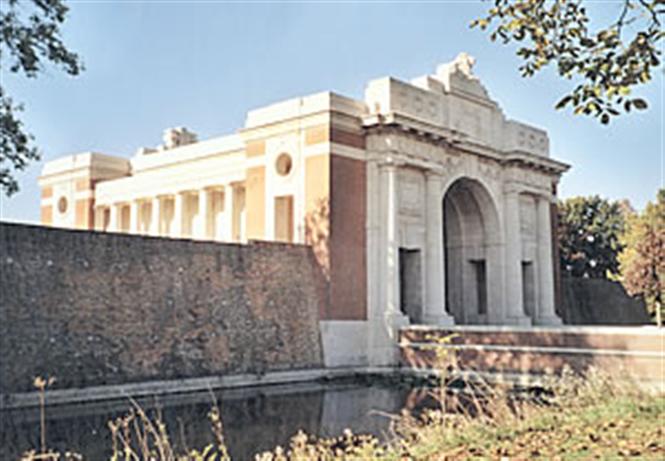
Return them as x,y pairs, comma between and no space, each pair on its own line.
472,254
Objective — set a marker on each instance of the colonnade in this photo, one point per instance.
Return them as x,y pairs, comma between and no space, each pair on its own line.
210,213
503,255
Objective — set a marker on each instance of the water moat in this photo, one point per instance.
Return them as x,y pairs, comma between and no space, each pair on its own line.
255,419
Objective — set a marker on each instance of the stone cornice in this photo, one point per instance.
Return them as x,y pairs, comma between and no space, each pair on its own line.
545,164
426,141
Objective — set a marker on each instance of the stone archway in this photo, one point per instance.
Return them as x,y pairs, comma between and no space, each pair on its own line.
472,261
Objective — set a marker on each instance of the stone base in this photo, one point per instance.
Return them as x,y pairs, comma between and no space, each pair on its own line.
444,320
383,333
522,321
398,321
344,342
552,320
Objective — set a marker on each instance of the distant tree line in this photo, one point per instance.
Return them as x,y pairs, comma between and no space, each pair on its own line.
599,238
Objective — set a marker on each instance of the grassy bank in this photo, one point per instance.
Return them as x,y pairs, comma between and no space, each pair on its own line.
618,427
582,418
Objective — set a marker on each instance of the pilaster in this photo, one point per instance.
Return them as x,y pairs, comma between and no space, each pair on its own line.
155,216
203,231
387,318
134,217
546,313
388,174
513,260
114,217
228,214
99,218
178,214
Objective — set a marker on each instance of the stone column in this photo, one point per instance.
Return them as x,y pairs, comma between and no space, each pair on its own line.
114,217
435,309
204,214
134,217
546,313
513,261
387,317
391,244
178,214
155,216
228,214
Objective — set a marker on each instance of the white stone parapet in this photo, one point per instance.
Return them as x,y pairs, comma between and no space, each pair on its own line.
519,137
455,100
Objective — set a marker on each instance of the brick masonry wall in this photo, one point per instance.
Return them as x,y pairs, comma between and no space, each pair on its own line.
94,308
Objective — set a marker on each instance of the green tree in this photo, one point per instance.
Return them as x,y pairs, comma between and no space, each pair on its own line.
642,260
29,36
606,63
589,236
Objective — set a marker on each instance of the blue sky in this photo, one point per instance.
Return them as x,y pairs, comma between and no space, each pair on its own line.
153,65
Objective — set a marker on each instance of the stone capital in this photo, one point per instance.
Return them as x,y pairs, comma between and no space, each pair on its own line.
390,164
543,196
512,188
434,175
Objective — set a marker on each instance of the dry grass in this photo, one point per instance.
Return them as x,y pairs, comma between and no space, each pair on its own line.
590,417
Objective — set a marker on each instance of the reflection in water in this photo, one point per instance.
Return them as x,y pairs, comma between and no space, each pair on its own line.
255,419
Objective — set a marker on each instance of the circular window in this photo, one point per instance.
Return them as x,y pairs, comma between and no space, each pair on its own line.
283,164
62,205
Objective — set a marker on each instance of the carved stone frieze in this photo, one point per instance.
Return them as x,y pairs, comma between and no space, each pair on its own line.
408,144
527,179
490,169
411,193
527,217
531,141
414,101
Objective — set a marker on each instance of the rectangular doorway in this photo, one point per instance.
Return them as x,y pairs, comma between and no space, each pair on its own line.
480,274
410,284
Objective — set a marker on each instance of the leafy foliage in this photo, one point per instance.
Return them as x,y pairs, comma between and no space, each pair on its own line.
642,260
29,36
589,236
608,63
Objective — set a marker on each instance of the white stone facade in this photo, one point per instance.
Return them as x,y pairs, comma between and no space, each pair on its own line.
453,198
468,192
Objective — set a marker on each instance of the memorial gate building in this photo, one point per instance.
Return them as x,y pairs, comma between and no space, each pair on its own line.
422,202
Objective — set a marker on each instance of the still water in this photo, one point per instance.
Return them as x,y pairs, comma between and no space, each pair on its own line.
255,419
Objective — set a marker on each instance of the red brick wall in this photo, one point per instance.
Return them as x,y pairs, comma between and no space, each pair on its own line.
95,308
637,352
348,275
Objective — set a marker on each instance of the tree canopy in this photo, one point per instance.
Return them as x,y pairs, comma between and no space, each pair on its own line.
642,260
606,63
29,37
589,235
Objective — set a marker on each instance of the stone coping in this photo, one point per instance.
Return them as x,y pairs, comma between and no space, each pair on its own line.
534,349
276,380
163,387
646,330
